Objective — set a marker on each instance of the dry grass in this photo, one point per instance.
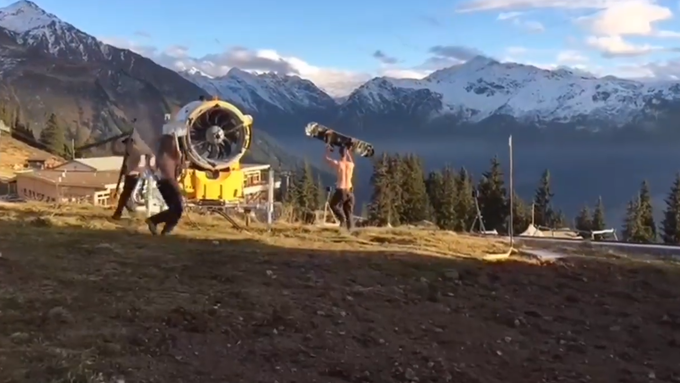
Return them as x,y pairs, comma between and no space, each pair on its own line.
83,299
14,152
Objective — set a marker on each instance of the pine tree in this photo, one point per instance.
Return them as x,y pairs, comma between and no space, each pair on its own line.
521,215
584,220
647,213
599,222
632,229
542,202
322,193
397,173
53,136
558,219
447,208
434,187
466,210
670,226
308,194
380,209
291,196
493,198
415,203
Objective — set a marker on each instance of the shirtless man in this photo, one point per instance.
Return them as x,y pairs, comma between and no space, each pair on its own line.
342,201
168,162
138,158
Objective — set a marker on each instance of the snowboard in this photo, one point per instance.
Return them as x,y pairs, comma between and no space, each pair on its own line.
337,139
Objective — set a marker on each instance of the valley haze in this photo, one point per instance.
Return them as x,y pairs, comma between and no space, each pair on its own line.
599,136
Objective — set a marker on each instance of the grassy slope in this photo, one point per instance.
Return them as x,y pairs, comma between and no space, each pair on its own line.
85,300
13,152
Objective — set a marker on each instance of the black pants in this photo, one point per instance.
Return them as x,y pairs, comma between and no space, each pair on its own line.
342,204
125,201
173,198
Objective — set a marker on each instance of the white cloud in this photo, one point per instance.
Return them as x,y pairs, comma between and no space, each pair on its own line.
611,22
571,57
630,17
615,46
334,81
516,20
508,15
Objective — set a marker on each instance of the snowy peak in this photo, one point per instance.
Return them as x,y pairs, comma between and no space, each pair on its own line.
23,16
46,33
483,87
257,91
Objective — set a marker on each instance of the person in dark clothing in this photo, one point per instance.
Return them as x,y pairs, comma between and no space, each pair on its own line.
135,162
342,201
168,162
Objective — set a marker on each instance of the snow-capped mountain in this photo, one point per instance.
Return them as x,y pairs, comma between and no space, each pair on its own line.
482,88
253,91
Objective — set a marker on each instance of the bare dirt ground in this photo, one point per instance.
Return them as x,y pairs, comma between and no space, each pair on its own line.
83,299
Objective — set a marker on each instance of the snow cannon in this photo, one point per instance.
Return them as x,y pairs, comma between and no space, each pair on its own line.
335,139
212,135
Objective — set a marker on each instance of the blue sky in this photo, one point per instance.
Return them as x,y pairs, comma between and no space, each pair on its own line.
333,42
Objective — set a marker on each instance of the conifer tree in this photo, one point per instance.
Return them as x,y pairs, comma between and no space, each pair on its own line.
584,219
434,187
380,209
558,219
447,208
397,173
466,210
670,226
53,136
415,203
307,194
542,201
632,228
647,213
493,198
599,222
521,215
291,197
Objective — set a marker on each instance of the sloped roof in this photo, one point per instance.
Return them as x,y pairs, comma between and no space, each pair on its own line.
97,180
102,164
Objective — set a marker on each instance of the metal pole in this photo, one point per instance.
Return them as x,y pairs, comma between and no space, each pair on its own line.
270,200
147,193
512,195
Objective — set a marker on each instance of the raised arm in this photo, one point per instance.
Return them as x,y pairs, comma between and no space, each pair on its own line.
328,157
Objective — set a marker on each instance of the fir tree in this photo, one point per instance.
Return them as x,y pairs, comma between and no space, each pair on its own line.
542,201
53,136
447,208
415,203
434,187
632,230
647,213
380,209
521,215
599,222
584,220
397,173
466,210
307,194
493,198
670,226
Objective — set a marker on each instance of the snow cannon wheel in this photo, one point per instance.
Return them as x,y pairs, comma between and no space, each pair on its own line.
218,136
337,139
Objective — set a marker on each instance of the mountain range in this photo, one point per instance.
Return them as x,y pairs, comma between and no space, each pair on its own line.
50,65
569,121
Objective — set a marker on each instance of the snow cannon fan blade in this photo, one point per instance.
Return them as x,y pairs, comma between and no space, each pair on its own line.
337,140
217,134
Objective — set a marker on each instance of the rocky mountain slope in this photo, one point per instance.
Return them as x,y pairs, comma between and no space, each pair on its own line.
96,89
481,92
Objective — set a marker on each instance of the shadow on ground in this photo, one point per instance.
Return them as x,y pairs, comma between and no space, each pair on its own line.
81,305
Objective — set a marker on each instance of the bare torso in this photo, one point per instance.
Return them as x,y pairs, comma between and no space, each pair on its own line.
345,171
